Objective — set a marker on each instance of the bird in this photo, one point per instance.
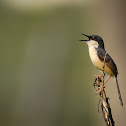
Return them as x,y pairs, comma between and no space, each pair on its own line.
97,54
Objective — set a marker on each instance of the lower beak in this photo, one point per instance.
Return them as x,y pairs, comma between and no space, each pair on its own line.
86,36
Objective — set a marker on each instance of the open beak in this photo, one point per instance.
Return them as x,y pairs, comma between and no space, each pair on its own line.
86,36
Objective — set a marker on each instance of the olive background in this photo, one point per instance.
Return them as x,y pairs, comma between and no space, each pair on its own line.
46,76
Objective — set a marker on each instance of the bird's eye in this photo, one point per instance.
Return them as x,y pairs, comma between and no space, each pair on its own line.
93,38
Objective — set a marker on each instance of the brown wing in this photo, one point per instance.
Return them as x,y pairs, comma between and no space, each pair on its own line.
109,61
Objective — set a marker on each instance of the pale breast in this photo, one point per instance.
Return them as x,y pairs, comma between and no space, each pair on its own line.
97,62
94,58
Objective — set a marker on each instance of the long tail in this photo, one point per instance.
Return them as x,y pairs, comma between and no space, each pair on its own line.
120,98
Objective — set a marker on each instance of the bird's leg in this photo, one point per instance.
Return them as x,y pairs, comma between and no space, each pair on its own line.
107,79
100,88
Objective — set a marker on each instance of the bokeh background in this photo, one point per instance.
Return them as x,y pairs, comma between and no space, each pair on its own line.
46,74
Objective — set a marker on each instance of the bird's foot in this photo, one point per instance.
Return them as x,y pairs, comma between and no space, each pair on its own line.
100,89
98,76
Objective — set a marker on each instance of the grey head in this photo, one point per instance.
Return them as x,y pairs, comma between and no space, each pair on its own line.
95,40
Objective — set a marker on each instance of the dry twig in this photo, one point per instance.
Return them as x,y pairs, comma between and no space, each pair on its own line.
103,99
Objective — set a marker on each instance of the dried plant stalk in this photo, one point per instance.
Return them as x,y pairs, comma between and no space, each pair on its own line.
103,99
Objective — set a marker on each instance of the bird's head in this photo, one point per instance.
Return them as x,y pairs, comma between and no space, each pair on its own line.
94,40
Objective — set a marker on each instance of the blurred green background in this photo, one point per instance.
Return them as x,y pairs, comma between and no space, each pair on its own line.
46,75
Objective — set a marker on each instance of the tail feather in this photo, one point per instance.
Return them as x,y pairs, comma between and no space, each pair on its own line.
120,98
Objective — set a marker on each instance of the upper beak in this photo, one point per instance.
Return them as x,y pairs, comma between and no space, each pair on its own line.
86,36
